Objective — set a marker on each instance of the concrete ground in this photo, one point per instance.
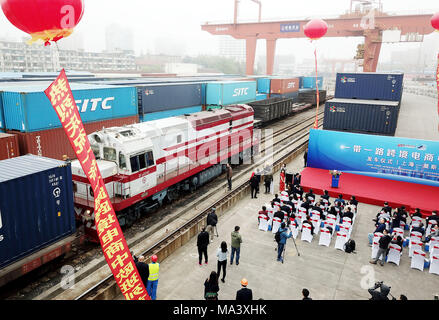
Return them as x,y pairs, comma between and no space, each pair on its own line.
328,273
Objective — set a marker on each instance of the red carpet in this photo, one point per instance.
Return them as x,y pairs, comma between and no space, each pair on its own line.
373,190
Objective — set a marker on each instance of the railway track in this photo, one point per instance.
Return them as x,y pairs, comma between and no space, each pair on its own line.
107,287
85,253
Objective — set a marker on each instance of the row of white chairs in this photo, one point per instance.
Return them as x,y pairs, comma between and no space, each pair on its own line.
414,250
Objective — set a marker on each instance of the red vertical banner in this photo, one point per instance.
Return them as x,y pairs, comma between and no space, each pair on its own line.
316,122
114,246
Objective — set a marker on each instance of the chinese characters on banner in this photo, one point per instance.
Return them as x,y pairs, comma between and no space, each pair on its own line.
113,242
395,158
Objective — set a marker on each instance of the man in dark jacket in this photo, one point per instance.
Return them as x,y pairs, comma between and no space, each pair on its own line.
143,269
268,178
202,243
296,180
245,294
254,184
417,213
279,214
419,228
276,198
380,227
387,208
382,250
347,214
229,173
379,295
212,220
311,195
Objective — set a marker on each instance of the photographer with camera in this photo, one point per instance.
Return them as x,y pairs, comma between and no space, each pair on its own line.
379,295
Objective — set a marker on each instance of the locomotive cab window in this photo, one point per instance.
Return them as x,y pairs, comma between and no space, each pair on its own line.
109,154
134,163
150,158
122,161
96,151
141,161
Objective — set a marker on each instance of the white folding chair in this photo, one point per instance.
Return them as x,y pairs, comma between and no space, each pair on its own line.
284,198
415,235
295,205
306,233
418,260
315,220
331,224
433,249
263,222
345,229
325,237
414,245
294,228
276,224
430,226
347,222
416,221
326,202
375,244
340,241
270,215
398,232
434,264
394,254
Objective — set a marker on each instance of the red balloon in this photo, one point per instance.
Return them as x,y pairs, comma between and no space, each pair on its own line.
315,29
435,21
48,20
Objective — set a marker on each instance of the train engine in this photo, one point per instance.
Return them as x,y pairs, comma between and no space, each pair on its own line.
147,163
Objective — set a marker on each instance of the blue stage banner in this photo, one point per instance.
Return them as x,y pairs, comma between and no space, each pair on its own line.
394,158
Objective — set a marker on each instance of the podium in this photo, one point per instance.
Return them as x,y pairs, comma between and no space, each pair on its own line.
335,181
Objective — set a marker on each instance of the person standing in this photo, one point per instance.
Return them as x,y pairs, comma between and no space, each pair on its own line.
212,220
283,241
211,287
235,245
229,176
268,178
305,157
143,269
202,243
382,249
254,186
245,294
222,260
153,278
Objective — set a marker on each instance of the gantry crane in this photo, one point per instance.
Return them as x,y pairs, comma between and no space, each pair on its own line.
363,19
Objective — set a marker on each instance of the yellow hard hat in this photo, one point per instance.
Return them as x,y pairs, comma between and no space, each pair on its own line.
244,282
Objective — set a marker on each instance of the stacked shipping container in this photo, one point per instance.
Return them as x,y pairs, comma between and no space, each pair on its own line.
29,115
36,205
8,146
365,102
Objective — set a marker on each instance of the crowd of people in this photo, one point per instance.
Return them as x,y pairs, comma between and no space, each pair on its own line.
391,225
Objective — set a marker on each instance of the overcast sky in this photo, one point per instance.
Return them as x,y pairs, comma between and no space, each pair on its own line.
179,23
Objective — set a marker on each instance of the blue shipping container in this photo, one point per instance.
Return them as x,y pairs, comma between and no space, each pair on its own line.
310,82
2,117
169,113
261,96
230,92
36,205
263,85
369,86
169,96
28,109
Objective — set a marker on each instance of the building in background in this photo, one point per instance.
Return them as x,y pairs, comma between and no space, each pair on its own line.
230,47
181,69
21,57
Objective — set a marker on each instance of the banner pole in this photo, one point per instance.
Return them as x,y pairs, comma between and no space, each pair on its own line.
316,123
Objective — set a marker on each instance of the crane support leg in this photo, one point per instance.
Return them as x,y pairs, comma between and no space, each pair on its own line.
250,44
271,51
372,48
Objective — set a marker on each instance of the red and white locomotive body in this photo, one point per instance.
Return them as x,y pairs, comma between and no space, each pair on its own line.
144,163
